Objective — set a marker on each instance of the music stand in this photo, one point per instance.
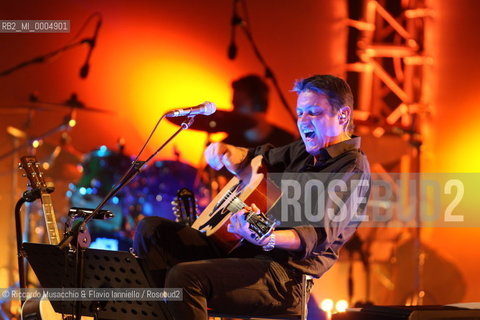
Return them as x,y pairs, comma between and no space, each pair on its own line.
55,268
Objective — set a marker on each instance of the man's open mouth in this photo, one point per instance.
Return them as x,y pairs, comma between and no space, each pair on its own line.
309,134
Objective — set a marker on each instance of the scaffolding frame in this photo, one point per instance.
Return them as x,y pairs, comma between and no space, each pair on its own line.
392,61
393,90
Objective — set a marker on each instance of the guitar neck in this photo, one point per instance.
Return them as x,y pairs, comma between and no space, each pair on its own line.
50,221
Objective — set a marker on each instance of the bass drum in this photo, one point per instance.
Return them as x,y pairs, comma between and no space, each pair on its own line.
102,168
152,192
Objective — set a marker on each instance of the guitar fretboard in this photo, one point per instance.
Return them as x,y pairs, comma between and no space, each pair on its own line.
50,221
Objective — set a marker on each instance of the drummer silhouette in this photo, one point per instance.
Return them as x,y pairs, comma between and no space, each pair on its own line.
250,97
250,100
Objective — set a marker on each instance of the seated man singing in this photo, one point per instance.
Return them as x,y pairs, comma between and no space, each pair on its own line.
263,275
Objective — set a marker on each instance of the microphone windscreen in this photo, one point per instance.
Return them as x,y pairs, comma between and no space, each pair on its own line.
210,108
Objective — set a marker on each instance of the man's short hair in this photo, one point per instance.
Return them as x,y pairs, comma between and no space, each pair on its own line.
337,90
254,87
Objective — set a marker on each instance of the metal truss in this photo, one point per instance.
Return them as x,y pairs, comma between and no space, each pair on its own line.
391,64
388,62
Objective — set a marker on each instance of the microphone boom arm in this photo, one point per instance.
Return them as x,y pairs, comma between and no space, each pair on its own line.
268,71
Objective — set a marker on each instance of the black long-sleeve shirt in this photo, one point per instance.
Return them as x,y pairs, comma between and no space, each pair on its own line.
321,241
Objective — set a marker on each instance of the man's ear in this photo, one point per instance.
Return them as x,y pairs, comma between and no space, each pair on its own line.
344,115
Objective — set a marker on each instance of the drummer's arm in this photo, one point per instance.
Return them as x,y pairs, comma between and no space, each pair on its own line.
219,155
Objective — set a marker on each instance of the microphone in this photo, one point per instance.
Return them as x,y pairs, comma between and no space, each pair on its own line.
91,42
83,212
207,108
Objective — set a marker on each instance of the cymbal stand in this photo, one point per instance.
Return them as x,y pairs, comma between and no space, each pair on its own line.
65,136
68,122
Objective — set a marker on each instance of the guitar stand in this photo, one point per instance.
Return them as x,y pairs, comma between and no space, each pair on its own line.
28,196
55,268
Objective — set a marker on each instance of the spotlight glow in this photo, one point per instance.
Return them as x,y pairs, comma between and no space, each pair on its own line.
341,305
327,305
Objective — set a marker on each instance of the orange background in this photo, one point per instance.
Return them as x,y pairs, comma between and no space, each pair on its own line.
153,56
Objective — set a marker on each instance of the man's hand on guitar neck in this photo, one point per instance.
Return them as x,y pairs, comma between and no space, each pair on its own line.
220,154
239,225
287,239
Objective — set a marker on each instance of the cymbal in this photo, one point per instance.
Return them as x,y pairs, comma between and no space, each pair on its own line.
74,104
22,109
220,121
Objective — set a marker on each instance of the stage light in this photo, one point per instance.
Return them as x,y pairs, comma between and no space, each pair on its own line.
327,305
341,305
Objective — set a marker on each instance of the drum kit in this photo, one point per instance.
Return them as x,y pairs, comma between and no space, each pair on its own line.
82,180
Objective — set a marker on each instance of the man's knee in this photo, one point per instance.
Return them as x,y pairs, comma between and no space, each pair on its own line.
183,275
145,234
147,226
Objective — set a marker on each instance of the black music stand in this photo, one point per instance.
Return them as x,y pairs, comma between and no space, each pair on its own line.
55,268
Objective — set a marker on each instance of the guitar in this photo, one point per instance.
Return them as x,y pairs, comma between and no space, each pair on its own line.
41,309
250,186
35,176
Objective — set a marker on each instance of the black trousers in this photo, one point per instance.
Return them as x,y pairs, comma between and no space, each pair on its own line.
240,283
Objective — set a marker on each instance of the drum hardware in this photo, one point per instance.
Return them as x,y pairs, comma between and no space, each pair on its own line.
68,123
21,109
72,103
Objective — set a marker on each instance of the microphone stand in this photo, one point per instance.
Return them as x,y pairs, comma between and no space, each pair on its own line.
45,57
268,71
79,233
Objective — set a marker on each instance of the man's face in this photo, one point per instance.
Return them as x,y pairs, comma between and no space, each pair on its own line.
319,127
242,102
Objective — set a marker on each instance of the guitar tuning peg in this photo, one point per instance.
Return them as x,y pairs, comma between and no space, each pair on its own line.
20,165
24,174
